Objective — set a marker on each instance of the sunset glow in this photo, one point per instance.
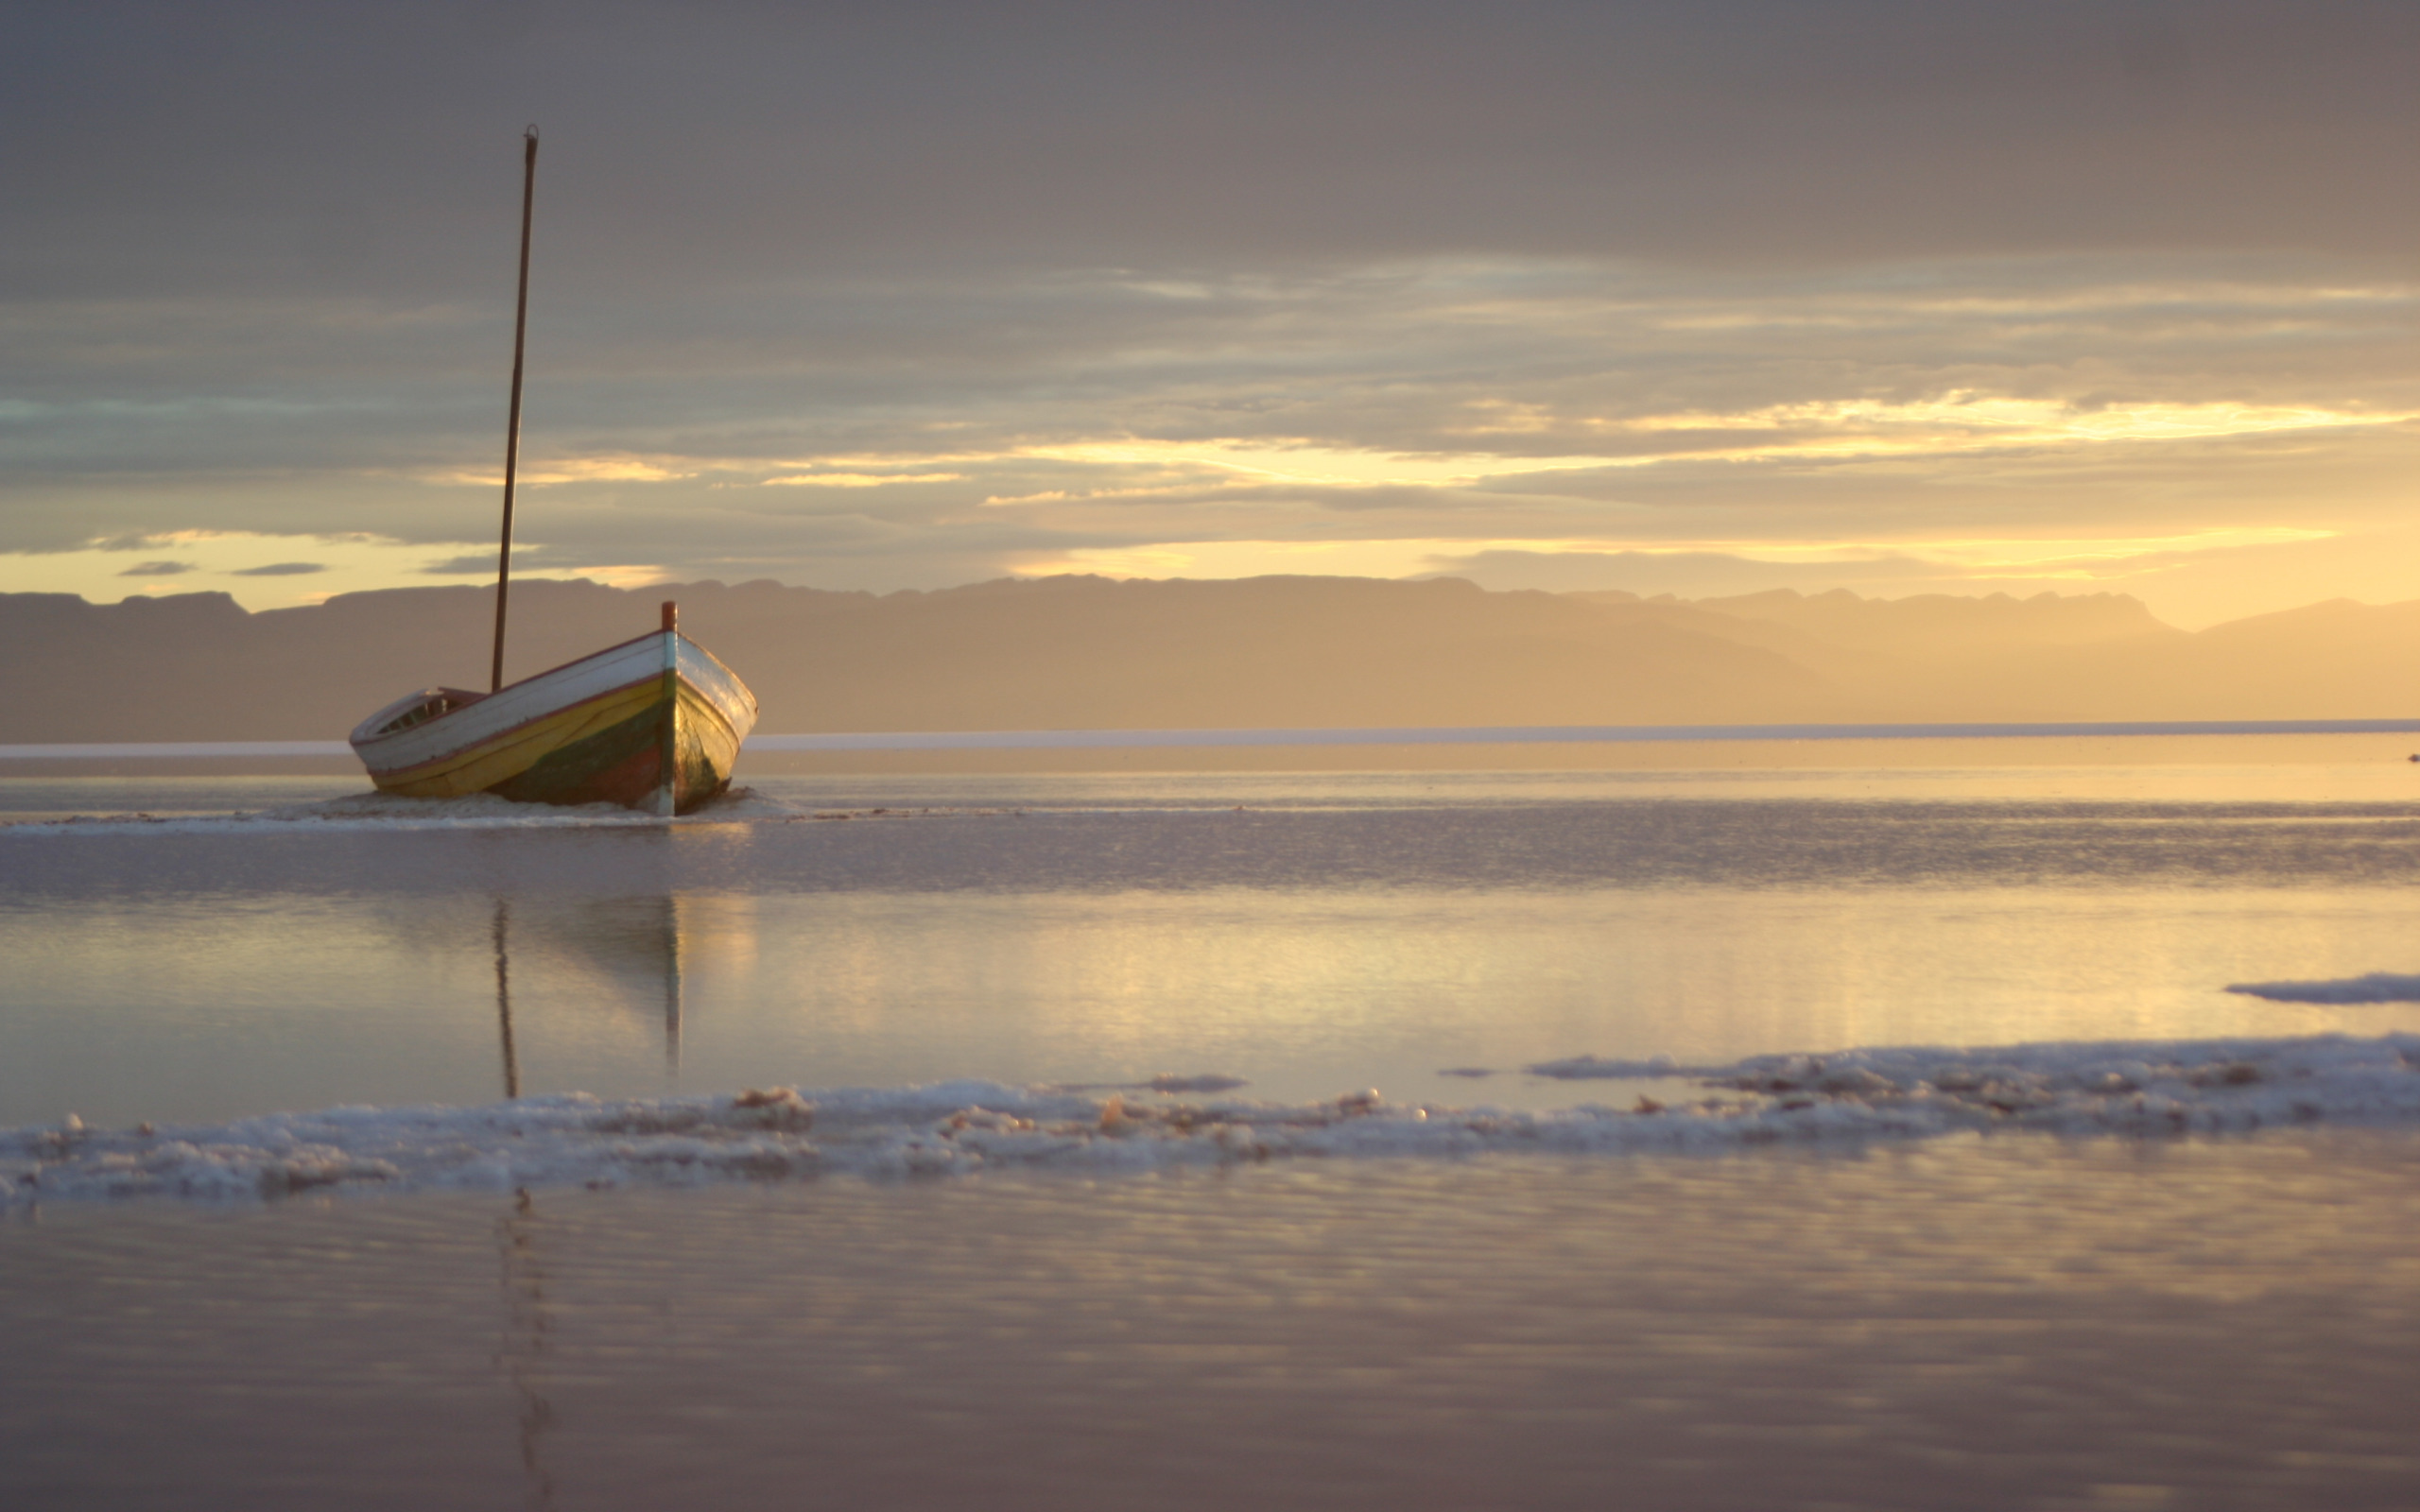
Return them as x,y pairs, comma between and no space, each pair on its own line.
1520,757
1558,351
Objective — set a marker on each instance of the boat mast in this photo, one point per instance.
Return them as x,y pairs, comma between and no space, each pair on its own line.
667,751
512,426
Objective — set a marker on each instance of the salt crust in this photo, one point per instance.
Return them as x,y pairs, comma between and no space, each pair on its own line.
2378,987
2147,1088
387,811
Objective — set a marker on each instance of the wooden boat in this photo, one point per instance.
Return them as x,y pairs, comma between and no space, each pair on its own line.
654,724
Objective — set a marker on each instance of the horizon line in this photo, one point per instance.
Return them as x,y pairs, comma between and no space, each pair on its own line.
1413,735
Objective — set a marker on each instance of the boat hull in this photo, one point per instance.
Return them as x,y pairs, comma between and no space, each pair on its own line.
607,728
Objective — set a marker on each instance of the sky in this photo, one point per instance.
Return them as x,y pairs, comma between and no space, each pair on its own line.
1700,299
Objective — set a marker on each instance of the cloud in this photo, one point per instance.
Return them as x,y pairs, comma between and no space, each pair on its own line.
342,562
860,480
159,569
843,296
463,566
731,142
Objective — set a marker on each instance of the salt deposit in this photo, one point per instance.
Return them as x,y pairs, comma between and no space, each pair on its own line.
2378,987
387,811
2146,1088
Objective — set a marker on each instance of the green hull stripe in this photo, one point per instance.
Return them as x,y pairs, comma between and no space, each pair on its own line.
573,774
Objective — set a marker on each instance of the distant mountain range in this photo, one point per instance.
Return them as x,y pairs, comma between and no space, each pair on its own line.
1072,653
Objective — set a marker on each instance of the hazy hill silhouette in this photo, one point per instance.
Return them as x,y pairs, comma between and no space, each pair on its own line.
1094,653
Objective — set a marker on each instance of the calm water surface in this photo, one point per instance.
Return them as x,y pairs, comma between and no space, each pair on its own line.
2005,1322
1311,935
1990,1324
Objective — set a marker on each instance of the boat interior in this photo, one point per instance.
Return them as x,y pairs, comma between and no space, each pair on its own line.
423,705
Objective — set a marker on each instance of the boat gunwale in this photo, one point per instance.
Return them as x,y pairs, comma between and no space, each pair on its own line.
519,682
364,745
455,753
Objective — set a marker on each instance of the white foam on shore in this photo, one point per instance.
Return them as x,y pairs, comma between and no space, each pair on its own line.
2378,987
2150,1088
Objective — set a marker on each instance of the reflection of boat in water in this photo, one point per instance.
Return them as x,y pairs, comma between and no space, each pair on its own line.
525,1355
595,952
654,723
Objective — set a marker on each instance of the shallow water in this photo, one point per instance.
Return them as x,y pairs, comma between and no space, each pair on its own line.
1312,937
1863,1305
1982,1323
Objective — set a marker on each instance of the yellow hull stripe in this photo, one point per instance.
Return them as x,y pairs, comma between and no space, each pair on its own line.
479,767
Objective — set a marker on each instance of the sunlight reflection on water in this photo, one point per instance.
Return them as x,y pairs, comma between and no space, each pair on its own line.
1313,936
2015,1321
